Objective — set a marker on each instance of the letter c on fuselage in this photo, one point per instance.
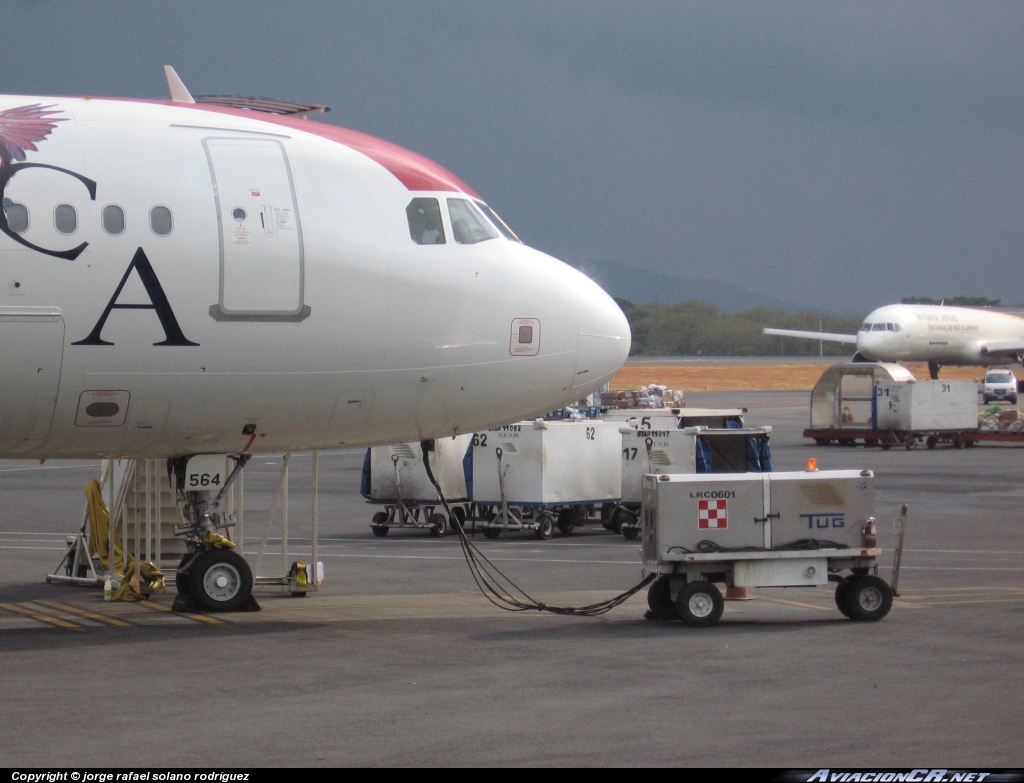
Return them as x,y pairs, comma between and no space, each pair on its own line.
7,173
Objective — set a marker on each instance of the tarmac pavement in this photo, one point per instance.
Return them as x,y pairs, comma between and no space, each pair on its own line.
400,661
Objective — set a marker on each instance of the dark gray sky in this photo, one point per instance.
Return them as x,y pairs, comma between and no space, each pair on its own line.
841,154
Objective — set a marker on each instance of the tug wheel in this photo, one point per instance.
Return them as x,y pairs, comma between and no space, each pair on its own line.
700,604
864,597
659,599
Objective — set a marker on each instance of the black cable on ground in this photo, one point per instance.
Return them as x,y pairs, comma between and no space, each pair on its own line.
499,589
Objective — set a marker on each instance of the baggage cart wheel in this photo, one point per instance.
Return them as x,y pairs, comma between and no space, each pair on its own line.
545,526
864,597
910,443
220,581
457,519
870,441
618,516
932,441
438,525
630,533
566,521
700,604
822,441
958,442
492,532
378,524
659,599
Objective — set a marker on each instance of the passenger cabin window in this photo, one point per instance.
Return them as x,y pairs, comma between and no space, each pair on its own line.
500,224
113,219
425,226
65,219
468,226
17,217
160,221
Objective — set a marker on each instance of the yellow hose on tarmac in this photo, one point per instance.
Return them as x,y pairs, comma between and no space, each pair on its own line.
139,581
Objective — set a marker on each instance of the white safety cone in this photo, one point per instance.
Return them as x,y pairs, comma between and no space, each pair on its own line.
737,594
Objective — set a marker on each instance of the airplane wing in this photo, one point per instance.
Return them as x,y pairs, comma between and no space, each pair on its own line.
1002,346
829,336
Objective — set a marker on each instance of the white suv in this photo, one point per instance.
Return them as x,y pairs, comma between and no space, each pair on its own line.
1000,384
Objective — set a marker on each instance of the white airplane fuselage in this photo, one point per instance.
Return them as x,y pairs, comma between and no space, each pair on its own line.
261,291
940,334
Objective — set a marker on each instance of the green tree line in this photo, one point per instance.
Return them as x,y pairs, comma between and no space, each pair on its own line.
700,328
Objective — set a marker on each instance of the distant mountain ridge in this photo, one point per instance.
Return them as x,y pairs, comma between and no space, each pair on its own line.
640,286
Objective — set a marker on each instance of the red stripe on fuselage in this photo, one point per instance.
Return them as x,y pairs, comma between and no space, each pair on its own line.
414,171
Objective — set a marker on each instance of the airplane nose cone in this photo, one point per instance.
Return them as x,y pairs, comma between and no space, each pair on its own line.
604,339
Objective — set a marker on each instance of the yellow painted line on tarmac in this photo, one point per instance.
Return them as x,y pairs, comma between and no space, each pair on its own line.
796,603
200,617
976,601
957,593
43,618
85,613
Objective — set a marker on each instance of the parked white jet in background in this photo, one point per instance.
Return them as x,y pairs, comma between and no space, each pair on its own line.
183,277
939,335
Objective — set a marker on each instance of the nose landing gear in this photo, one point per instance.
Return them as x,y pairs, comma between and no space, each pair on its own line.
212,577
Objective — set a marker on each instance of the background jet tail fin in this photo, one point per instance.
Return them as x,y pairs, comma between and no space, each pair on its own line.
827,336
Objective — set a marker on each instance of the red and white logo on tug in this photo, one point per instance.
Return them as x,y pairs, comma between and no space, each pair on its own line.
712,514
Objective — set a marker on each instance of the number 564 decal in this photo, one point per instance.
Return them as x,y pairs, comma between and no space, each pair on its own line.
206,471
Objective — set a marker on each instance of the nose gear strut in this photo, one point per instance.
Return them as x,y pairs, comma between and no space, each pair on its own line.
211,577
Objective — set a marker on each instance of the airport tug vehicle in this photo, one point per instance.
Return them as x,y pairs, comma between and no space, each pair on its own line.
787,529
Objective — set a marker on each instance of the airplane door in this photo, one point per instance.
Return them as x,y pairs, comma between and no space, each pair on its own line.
261,261
32,346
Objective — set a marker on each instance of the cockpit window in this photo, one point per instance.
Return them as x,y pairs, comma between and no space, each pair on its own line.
425,226
468,226
866,328
500,224
878,328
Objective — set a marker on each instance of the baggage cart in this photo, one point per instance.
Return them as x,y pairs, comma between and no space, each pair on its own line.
902,413
691,450
394,476
539,475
